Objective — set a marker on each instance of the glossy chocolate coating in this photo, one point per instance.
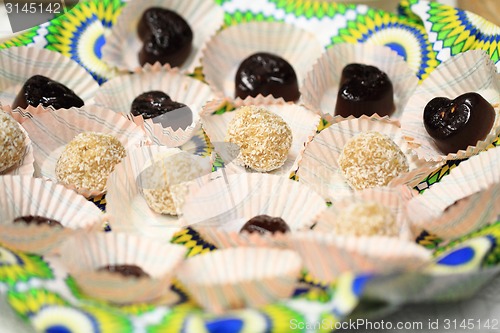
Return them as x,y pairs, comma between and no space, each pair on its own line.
125,270
39,89
38,220
153,104
265,224
266,74
364,90
166,35
456,124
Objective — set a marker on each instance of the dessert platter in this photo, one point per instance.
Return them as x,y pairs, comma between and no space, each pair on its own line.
237,166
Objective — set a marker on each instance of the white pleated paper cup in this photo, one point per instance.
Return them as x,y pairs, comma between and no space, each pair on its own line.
25,166
118,94
125,200
25,196
226,50
321,85
319,167
51,130
471,71
327,256
301,121
95,250
123,44
20,63
464,201
240,277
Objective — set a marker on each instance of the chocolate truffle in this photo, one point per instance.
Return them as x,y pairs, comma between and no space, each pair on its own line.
265,224
38,220
12,145
456,124
125,270
371,159
166,35
39,89
266,74
88,159
264,138
364,90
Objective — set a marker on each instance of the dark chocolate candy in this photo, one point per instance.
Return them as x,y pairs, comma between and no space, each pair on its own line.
125,270
166,35
456,124
39,89
364,90
265,224
38,220
266,74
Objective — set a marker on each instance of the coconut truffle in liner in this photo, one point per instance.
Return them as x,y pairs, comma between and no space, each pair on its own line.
264,138
11,142
88,159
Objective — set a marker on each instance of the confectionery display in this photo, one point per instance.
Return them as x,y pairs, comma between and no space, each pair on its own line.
88,159
364,90
38,220
371,159
456,124
39,89
266,74
166,35
264,138
125,270
263,224
11,142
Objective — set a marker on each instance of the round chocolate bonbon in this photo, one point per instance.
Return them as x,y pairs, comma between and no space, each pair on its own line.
263,224
38,220
125,270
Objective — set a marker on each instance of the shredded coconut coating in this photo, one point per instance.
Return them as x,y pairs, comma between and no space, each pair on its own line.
366,218
88,159
11,142
165,181
371,159
263,137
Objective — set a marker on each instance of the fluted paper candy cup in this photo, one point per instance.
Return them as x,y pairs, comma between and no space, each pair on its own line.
51,130
327,256
322,83
123,45
464,201
25,196
302,122
95,250
319,167
226,50
240,277
25,166
21,63
471,71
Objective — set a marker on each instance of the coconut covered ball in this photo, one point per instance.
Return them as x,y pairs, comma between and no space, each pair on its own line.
88,159
264,138
371,159
11,142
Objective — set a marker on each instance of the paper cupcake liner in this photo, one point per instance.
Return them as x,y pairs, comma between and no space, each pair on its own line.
240,277
302,122
126,203
474,186
321,84
24,196
123,45
226,50
392,198
25,167
119,93
327,256
51,130
471,71
20,63
96,250
319,167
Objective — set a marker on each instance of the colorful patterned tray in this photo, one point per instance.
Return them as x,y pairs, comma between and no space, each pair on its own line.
41,292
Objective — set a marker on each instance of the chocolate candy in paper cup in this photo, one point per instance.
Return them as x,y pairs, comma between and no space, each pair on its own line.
24,196
16,150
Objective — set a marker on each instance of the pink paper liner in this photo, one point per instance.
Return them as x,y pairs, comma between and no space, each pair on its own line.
157,259
240,277
25,167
